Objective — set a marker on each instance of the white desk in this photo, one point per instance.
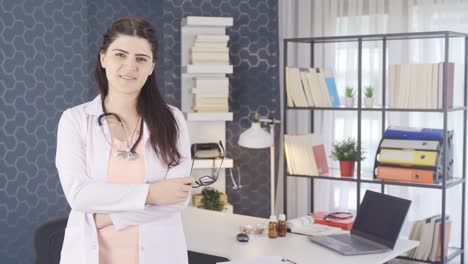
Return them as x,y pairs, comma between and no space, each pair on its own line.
215,233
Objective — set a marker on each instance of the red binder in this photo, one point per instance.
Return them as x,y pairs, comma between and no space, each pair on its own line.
344,224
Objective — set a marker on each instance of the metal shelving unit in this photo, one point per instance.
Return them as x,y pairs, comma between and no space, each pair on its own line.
358,179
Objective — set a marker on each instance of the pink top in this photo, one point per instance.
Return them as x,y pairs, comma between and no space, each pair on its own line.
122,247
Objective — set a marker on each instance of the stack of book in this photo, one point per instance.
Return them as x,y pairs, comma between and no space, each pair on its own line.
305,155
210,49
419,85
428,233
210,94
413,155
311,87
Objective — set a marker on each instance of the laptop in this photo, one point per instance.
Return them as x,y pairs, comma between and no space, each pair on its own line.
376,227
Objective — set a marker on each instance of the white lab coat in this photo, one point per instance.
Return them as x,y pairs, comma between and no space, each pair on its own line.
82,159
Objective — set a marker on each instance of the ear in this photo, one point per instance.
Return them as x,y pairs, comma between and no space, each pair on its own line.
102,56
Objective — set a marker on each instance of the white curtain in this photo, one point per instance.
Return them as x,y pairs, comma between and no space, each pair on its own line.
306,18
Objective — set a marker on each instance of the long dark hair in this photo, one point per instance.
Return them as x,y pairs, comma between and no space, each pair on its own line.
152,108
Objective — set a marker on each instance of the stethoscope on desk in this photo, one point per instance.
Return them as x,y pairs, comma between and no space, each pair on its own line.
128,153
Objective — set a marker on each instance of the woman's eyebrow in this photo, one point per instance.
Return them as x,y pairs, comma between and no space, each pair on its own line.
126,52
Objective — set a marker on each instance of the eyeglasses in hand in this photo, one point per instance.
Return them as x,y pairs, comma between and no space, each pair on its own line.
207,180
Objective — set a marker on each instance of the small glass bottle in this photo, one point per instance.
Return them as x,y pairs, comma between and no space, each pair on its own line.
273,227
282,225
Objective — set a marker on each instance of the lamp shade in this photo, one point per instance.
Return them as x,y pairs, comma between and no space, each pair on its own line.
255,137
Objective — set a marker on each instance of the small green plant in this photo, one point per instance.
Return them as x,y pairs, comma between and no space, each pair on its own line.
369,91
349,91
211,199
346,150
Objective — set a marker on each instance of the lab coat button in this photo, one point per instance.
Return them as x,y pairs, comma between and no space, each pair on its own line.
142,248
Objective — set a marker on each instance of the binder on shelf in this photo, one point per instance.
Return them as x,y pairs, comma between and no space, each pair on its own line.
414,133
410,144
408,157
406,175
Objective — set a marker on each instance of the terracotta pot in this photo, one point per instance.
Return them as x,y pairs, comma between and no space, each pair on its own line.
347,168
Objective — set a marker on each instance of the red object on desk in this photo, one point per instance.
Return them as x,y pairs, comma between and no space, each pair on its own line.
344,224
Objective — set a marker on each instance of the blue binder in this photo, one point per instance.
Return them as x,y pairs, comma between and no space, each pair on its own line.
414,133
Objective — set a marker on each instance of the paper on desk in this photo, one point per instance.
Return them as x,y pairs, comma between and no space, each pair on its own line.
259,260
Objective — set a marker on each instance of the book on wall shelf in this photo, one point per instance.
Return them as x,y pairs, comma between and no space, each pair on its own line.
411,162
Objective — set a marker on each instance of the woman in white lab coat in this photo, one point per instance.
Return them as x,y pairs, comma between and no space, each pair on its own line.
124,159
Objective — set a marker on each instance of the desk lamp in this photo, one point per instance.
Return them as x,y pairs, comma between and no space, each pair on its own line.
257,138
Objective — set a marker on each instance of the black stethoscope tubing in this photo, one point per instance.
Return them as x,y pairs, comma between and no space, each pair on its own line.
132,149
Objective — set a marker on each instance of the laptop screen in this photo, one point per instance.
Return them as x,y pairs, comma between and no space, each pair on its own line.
380,218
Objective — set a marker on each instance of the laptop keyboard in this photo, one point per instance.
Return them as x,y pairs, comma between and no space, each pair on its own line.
347,242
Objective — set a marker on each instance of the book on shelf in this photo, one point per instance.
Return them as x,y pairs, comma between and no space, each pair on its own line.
216,38
211,108
428,232
309,87
305,225
210,93
419,85
332,91
305,155
214,50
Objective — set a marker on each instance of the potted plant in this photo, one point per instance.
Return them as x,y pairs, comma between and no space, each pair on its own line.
346,152
349,96
369,92
212,199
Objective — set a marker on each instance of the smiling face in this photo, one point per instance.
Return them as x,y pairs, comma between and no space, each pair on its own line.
128,62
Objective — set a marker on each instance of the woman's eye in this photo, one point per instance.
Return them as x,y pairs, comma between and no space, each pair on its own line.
140,59
120,55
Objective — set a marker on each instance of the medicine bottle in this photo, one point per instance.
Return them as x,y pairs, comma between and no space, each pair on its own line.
273,227
282,225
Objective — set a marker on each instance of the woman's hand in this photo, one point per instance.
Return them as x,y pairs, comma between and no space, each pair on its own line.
170,191
102,220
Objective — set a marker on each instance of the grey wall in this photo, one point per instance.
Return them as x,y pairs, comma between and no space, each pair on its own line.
47,53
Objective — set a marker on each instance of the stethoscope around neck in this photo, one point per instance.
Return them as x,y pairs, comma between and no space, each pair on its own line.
128,153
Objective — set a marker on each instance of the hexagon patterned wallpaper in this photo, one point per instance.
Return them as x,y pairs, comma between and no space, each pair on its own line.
254,85
47,54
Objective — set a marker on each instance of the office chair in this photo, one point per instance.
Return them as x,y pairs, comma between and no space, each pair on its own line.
48,240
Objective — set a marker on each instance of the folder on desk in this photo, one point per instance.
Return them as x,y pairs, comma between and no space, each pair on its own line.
406,175
408,157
